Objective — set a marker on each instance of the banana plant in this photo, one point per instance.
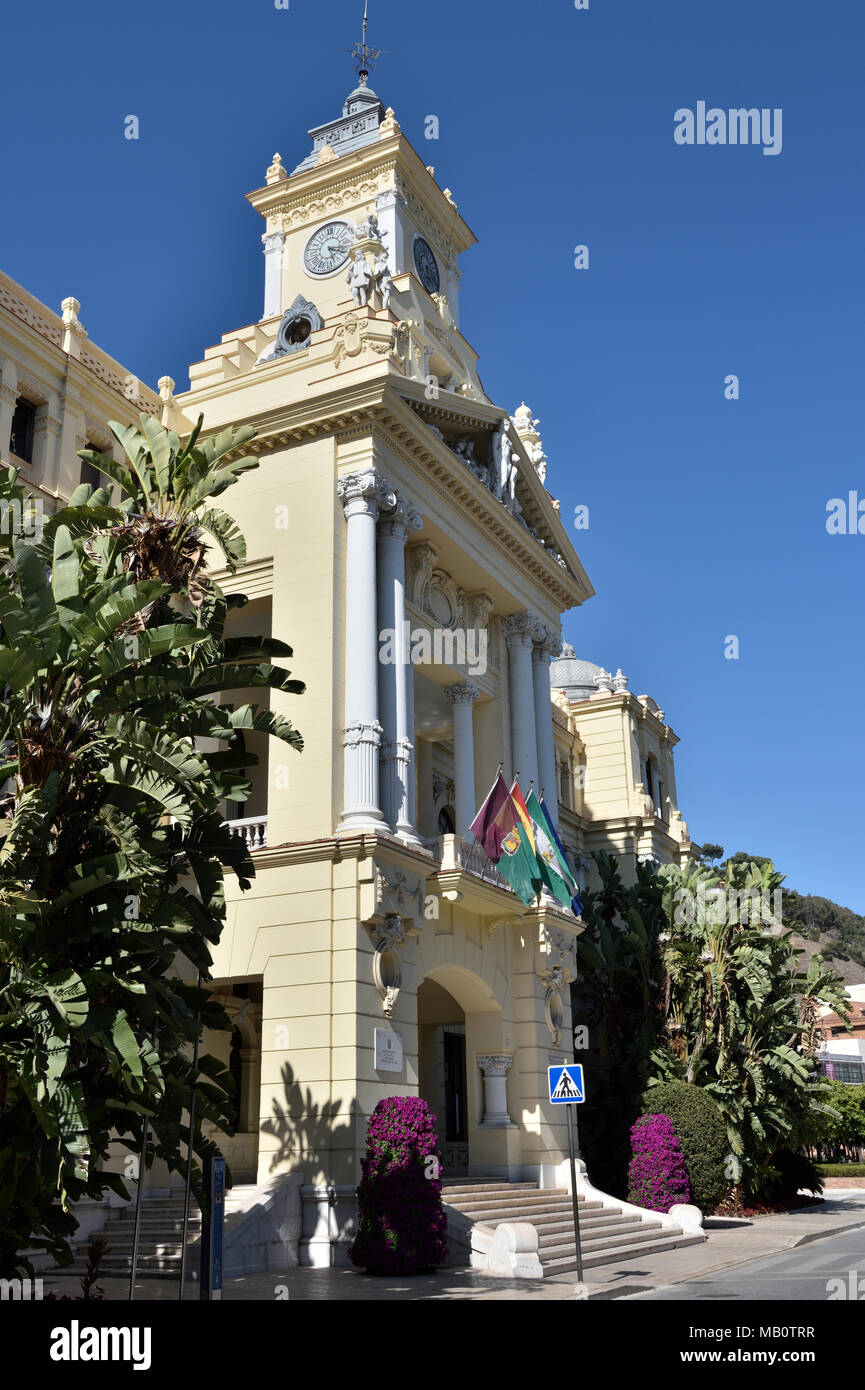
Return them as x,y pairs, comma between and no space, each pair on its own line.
741,1009
113,847
169,489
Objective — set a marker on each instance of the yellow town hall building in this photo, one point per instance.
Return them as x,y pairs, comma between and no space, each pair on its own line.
401,537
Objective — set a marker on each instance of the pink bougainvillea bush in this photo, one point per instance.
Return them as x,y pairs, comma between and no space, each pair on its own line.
401,1223
657,1177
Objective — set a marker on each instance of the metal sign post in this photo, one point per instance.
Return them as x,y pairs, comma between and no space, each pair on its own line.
567,1088
211,1229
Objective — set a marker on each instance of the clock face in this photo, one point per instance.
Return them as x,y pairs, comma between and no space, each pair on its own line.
426,265
328,248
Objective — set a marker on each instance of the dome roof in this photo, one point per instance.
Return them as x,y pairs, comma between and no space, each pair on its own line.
361,96
575,677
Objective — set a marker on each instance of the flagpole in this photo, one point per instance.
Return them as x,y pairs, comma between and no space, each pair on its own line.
493,784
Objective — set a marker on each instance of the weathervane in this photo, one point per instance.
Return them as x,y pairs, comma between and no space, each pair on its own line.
363,55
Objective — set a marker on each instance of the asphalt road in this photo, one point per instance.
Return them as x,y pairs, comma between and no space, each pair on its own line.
805,1274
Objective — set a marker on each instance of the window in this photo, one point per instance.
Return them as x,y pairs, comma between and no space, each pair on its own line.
89,472
851,1071
446,821
564,784
21,436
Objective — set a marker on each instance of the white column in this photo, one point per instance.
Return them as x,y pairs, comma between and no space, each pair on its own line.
389,206
519,632
495,1069
363,495
462,697
541,653
273,243
412,775
395,675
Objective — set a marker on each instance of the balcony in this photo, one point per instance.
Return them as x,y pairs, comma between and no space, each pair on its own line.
471,857
253,830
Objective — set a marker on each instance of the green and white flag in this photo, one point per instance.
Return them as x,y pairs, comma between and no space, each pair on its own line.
552,870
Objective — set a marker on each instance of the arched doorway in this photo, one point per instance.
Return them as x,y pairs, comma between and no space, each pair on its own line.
442,1071
463,1063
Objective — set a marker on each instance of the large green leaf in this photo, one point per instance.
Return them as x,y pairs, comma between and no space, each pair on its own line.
68,994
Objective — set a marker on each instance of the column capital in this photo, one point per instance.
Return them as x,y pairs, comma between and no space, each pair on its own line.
547,644
367,492
462,694
272,241
521,629
360,732
404,518
494,1064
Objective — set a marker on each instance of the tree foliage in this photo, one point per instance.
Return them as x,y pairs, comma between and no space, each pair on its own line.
740,1016
700,1128
618,997
839,1130
113,846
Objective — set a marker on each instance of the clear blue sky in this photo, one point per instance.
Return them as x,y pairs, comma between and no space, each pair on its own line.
707,515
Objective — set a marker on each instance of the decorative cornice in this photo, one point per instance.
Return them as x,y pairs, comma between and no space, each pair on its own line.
431,460
304,206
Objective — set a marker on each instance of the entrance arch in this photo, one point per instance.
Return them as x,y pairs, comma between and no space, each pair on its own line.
461,1043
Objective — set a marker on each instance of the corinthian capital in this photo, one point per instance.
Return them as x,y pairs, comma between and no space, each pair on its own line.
547,643
366,491
522,627
464,694
404,518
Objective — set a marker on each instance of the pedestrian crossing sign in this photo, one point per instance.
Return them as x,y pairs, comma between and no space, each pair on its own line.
566,1084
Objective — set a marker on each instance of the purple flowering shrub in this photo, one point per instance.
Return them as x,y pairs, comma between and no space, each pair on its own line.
401,1223
657,1177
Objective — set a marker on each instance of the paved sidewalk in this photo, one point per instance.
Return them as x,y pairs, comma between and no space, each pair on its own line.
730,1243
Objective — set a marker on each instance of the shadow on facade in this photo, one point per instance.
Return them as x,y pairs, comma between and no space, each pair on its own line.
309,1133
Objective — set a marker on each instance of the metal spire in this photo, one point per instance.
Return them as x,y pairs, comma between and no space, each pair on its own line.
364,56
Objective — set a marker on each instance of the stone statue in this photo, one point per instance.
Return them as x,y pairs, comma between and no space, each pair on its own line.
369,230
383,279
505,466
465,449
359,278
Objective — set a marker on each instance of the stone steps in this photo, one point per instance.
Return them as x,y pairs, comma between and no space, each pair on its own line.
160,1229
607,1233
611,1255
612,1233
507,1210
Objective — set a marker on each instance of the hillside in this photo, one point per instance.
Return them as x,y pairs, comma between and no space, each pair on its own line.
835,931
820,924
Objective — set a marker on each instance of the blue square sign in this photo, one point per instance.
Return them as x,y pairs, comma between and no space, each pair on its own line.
566,1084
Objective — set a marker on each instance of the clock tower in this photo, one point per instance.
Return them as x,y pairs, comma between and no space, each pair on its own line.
362,223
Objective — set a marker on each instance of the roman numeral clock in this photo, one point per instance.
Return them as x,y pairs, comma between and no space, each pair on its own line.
426,265
328,249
